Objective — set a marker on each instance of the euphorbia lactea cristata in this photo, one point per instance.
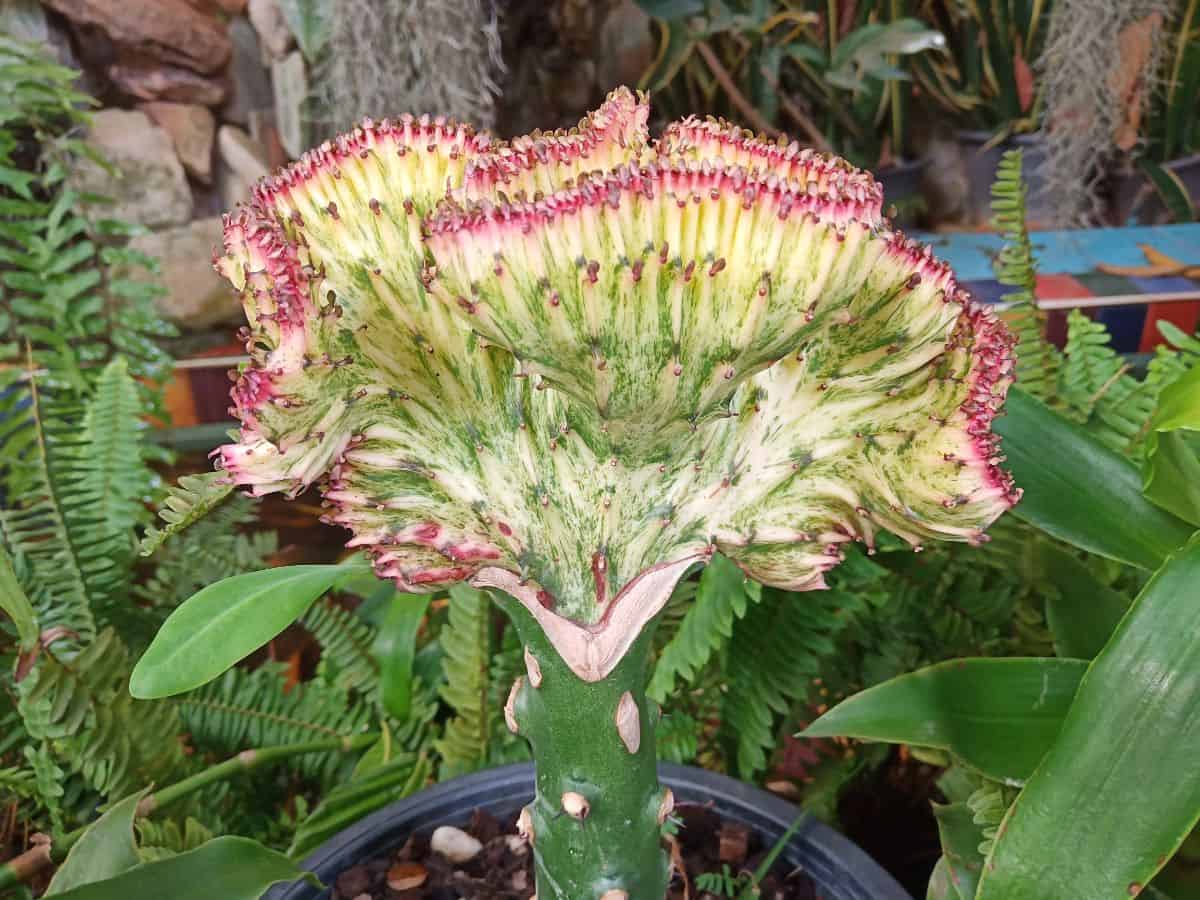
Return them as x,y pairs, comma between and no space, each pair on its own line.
574,366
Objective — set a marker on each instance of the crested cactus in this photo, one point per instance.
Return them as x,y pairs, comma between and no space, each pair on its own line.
572,367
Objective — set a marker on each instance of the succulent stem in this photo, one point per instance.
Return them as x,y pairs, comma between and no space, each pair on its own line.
595,824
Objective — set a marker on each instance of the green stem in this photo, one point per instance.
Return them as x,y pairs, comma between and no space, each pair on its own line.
33,861
595,823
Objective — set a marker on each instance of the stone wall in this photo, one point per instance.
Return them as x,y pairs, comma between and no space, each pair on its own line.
201,98
188,118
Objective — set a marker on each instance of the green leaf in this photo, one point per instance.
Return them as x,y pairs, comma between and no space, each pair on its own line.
1171,472
225,622
105,850
238,867
1079,491
999,716
1115,796
15,603
1082,611
960,838
311,21
395,648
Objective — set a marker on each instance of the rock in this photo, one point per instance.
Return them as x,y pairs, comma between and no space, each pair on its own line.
150,188
243,161
244,155
251,83
406,875
454,844
197,297
229,7
627,46
168,30
147,80
290,81
267,19
192,130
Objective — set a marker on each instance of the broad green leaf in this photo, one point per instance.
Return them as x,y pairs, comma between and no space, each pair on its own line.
941,884
999,716
232,868
1179,403
1082,611
1081,492
1117,792
395,648
105,850
960,838
15,603
226,621
1171,472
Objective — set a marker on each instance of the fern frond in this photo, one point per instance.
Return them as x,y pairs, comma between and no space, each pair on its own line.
1015,266
35,524
403,774
466,741
723,596
677,737
214,548
84,709
346,657
48,780
776,651
186,503
159,840
244,709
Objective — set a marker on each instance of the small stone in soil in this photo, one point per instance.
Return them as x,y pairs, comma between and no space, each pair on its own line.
503,867
405,876
454,844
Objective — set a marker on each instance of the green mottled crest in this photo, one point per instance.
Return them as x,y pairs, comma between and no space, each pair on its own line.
645,355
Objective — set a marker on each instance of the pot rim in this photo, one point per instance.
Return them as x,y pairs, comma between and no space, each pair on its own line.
823,852
983,136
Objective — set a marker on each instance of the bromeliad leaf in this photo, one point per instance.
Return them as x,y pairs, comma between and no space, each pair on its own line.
1107,514
225,622
999,716
1171,473
1142,695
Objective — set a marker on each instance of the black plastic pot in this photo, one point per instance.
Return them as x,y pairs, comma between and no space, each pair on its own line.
981,162
901,183
1131,196
840,870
